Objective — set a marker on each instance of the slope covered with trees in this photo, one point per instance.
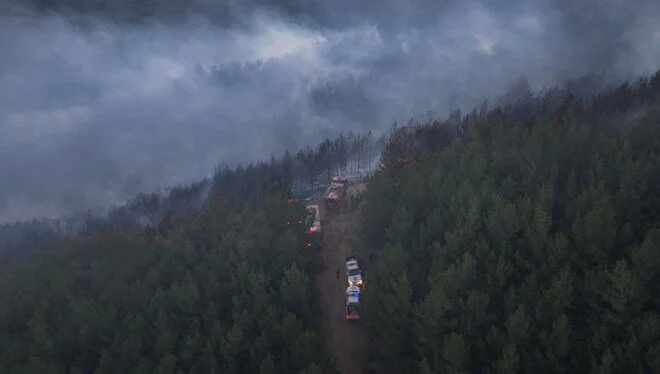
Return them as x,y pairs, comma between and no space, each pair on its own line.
522,238
306,170
226,290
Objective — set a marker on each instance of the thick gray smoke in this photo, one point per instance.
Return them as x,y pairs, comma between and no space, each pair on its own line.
93,112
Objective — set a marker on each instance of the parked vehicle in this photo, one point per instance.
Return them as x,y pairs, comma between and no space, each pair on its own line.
353,272
352,303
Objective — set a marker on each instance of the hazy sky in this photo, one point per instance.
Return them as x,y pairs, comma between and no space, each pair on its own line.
91,115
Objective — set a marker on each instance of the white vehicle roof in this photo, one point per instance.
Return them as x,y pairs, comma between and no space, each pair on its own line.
354,278
352,299
352,289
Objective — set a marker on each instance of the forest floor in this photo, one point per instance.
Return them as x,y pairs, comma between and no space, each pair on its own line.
346,341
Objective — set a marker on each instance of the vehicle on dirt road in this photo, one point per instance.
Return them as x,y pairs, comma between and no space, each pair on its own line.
335,192
352,303
353,272
314,233
339,179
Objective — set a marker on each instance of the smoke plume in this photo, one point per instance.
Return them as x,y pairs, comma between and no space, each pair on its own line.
99,103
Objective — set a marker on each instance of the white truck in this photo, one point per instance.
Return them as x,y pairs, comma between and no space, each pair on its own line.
353,272
352,303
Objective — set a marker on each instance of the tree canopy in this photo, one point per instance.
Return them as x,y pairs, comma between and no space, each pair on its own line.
526,240
227,290
517,238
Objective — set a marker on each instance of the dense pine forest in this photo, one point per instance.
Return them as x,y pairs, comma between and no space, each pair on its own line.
526,243
225,291
511,239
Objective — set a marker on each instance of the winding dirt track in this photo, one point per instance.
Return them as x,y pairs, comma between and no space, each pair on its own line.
346,341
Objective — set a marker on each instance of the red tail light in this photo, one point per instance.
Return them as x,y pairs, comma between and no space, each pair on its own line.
347,317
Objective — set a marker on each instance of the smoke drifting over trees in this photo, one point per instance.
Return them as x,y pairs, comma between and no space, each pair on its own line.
99,101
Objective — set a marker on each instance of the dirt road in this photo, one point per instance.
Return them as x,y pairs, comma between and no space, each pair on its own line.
346,341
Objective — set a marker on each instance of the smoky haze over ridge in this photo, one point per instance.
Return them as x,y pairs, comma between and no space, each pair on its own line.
96,106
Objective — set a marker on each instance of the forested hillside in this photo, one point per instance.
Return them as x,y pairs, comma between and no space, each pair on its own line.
226,291
521,239
306,171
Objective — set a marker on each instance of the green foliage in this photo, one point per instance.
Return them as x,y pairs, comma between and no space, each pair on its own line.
124,302
517,239
524,245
